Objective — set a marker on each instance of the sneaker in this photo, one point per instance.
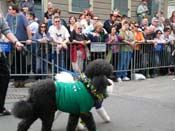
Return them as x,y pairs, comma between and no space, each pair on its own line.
5,113
125,79
119,79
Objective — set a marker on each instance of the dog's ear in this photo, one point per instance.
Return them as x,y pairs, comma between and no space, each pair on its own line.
98,67
100,83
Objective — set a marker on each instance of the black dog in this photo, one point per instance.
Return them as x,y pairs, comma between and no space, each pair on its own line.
42,101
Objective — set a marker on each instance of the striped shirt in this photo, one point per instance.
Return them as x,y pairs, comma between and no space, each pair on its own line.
4,28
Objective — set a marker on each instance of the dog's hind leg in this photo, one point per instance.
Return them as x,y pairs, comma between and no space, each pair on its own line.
88,120
72,122
47,121
26,123
80,126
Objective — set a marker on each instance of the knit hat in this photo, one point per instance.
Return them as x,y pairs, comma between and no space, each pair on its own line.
89,12
115,13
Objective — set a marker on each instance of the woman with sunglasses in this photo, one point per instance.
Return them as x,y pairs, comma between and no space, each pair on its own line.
43,38
158,52
139,41
78,52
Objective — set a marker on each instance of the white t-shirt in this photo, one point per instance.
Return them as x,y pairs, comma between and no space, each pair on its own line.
168,38
33,26
60,34
159,41
156,28
86,28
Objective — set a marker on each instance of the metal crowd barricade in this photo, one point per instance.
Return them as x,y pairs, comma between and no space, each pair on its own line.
153,59
44,59
36,62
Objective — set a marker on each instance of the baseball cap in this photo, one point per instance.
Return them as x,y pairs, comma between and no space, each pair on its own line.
156,20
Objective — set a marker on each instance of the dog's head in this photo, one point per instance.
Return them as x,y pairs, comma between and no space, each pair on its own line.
98,71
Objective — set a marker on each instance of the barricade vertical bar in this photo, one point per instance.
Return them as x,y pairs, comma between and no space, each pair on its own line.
52,58
133,63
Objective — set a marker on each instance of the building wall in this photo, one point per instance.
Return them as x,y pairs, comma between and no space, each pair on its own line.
101,8
135,4
3,6
171,7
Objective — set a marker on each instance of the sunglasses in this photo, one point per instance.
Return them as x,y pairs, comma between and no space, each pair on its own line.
57,21
95,18
43,26
79,28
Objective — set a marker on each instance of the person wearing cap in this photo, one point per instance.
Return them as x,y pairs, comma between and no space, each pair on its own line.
115,20
155,25
33,29
4,71
32,23
142,11
158,16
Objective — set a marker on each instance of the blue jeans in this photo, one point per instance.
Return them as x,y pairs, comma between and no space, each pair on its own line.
124,60
41,65
139,19
59,61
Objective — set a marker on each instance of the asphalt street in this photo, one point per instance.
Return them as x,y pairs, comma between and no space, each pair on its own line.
147,105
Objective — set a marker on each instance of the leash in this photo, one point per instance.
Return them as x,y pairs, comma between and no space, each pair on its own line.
68,71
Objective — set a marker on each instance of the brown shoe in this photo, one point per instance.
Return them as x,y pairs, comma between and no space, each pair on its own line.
22,83
16,84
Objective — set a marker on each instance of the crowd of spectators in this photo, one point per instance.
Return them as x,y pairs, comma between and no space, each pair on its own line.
123,34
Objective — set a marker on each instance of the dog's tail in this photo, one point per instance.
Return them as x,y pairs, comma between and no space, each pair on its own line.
22,109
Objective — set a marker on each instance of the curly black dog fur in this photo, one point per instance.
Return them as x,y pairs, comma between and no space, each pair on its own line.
41,102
